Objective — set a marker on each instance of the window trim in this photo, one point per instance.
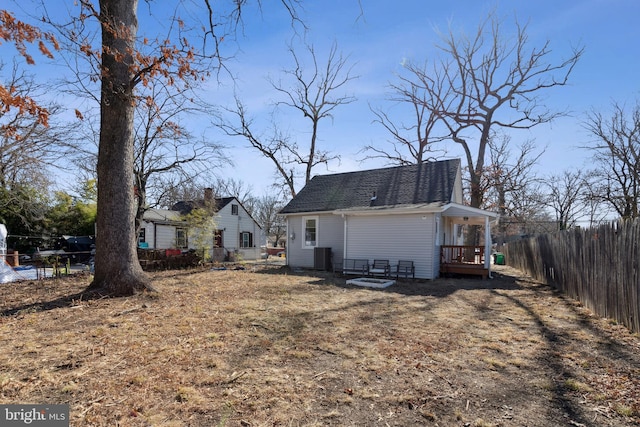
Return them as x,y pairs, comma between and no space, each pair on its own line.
185,238
304,231
235,209
249,240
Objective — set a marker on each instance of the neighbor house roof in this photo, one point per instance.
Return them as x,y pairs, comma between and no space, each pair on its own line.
402,185
186,206
162,216
217,203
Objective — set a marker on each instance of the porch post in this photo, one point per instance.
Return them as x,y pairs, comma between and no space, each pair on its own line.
487,244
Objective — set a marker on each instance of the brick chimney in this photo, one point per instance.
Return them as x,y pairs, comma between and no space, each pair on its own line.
208,195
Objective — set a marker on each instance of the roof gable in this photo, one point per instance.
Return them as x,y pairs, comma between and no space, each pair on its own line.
186,206
402,185
221,202
218,203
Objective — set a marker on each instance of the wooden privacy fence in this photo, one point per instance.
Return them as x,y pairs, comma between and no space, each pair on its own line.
597,266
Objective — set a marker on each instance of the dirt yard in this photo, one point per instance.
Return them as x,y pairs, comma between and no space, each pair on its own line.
271,347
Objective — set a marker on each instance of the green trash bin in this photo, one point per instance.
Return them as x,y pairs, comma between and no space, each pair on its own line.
498,258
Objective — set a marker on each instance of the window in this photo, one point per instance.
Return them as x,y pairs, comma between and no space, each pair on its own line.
246,239
234,209
310,226
181,238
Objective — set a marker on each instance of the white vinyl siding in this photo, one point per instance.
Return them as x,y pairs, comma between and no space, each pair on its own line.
165,236
234,220
330,234
161,235
394,237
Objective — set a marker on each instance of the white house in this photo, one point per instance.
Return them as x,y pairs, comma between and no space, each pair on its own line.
163,229
412,213
236,235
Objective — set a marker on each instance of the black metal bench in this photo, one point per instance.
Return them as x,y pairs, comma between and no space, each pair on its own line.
353,266
406,269
380,267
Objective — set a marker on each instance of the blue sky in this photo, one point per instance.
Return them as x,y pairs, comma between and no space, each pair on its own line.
383,34
378,35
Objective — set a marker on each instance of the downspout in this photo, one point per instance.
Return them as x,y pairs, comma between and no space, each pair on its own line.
344,244
286,249
439,228
487,245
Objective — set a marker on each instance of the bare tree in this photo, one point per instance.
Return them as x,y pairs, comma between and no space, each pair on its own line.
598,211
231,187
566,198
413,141
165,151
313,94
28,147
617,156
274,147
164,147
29,150
266,213
173,193
27,139
485,82
166,154
125,64
509,183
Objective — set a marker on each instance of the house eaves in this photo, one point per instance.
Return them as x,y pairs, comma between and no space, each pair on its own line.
311,213
474,216
468,215
419,208
163,216
164,222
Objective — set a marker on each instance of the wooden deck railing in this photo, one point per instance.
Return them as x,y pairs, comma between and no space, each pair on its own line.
463,260
450,254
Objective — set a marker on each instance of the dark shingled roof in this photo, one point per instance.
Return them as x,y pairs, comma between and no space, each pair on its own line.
403,185
185,207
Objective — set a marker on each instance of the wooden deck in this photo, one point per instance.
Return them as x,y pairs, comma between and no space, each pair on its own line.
468,260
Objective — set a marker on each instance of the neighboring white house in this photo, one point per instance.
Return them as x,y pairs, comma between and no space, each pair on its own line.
398,213
236,235
163,229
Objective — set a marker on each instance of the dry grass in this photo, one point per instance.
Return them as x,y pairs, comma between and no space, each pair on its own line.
268,347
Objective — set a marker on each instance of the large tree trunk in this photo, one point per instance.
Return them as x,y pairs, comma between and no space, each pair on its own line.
117,269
